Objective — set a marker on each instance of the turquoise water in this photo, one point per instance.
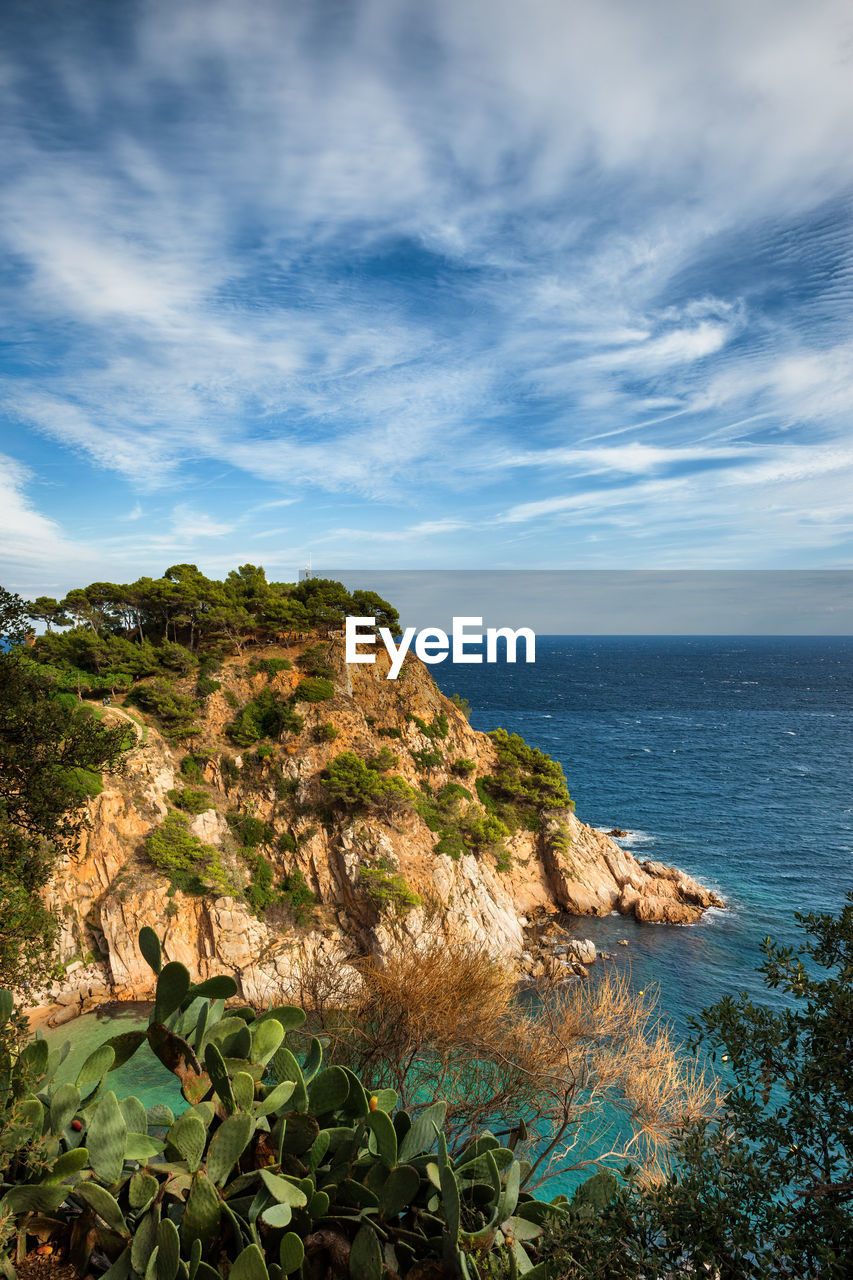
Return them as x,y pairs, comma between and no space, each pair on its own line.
144,1075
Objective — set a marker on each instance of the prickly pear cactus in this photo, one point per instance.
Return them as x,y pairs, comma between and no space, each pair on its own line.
279,1166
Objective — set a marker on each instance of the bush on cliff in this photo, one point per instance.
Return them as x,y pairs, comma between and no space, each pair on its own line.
315,662
191,865
175,711
314,689
190,799
526,780
51,755
353,784
268,715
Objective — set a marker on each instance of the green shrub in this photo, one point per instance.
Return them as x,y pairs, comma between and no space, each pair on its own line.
386,888
191,769
176,712
390,732
266,716
204,686
383,760
315,662
287,842
526,777
231,698
463,766
270,666
461,826
353,784
83,784
261,892
190,799
191,866
427,759
176,657
297,896
438,728
483,830
314,689
325,732
69,700
249,830
462,704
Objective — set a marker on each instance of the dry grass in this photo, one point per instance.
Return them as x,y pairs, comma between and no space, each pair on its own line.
578,1074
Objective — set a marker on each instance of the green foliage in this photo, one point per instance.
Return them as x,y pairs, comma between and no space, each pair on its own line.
278,1167
462,704
297,896
287,842
191,768
315,662
437,728
14,627
387,888
526,779
270,666
249,830
390,732
461,826
463,766
765,1191
325,732
191,799
51,757
205,686
352,784
261,892
383,760
83,784
191,865
314,689
175,711
427,759
268,715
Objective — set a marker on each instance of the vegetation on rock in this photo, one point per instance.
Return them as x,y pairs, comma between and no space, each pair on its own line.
189,863
51,757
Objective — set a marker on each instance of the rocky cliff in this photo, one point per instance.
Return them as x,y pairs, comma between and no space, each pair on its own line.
372,870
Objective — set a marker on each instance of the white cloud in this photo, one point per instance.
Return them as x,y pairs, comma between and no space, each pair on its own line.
32,547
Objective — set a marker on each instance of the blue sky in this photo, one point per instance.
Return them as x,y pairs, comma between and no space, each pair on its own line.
465,284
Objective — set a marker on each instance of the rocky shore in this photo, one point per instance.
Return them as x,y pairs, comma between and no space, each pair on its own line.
108,888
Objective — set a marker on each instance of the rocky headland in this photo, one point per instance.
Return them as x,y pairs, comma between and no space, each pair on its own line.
366,875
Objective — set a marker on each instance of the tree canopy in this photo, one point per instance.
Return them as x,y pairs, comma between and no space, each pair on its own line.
102,637
51,755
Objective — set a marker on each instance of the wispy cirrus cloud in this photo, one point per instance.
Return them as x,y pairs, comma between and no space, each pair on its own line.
429,260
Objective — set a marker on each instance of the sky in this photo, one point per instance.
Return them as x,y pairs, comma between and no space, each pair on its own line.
471,284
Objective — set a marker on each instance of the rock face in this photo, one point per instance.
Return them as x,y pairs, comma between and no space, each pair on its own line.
108,889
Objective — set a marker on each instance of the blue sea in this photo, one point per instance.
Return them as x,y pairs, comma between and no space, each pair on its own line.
731,758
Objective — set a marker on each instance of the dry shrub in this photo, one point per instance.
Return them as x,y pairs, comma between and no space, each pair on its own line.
569,1075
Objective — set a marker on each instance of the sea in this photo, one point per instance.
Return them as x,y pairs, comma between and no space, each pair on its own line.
731,758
